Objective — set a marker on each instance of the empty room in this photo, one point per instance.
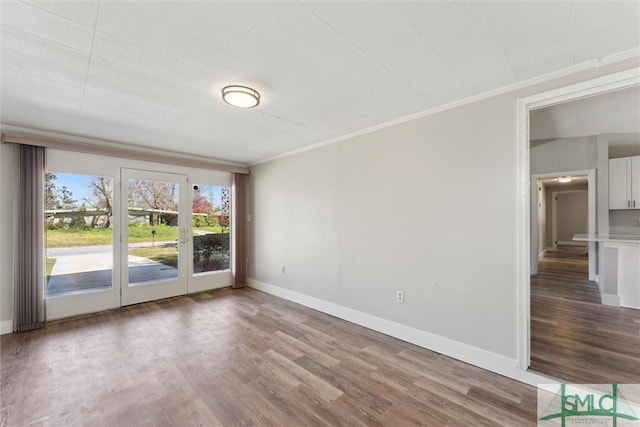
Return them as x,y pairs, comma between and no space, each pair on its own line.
291,213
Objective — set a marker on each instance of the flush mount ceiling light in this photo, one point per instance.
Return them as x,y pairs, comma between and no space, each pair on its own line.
565,179
240,96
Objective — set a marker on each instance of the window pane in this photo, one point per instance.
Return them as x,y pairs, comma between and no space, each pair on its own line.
211,221
78,223
152,231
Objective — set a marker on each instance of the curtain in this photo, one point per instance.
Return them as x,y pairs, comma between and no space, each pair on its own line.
239,214
29,310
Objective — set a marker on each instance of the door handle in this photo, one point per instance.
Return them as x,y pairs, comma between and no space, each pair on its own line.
183,235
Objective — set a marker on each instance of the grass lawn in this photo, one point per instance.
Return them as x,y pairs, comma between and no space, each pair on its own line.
165,255
61,238
66,238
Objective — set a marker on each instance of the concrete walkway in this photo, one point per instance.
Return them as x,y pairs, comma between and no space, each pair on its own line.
91,268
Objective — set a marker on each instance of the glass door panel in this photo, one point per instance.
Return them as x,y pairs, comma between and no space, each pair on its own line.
156,235
79,243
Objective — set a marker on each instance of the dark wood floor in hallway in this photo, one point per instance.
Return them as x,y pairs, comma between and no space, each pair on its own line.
575,338
241,357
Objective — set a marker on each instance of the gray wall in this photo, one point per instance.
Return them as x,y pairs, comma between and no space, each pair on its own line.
549,207
560,155
624,144
356,220
572,214
624,221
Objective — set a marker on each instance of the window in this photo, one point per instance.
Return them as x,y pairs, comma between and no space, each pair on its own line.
211,209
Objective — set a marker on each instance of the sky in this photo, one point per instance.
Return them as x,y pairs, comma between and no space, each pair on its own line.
77,184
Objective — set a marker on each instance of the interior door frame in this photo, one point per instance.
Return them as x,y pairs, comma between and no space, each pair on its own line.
611,82
162,288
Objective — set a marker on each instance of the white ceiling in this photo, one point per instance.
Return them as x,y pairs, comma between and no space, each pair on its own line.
150,73
552,183
613,112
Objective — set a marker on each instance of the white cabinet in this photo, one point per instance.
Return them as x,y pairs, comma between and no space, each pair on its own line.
624,183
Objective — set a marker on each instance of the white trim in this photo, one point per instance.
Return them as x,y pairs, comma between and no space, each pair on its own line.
6,327
595,63
466,353
607,83
612,300
572,243
554,220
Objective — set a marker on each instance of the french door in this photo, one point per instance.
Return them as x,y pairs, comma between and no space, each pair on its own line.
119,233
155,237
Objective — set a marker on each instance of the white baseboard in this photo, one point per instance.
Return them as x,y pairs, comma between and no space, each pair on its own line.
466,353
608,299
6,327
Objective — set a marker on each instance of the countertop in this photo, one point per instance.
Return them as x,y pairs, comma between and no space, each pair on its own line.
604,237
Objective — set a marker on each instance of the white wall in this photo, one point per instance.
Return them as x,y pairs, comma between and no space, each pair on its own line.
426,206
7,160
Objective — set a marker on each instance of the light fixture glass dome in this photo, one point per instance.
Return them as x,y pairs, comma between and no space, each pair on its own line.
565,179
240,96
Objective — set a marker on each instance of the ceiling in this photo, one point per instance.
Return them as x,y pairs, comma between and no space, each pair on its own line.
613,112
150,73
553,184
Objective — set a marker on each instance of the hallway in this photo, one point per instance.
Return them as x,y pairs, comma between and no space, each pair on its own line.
573,337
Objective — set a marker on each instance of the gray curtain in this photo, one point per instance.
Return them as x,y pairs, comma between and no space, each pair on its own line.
29,270
239,232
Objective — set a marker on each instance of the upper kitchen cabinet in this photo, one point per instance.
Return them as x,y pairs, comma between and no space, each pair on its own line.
624,183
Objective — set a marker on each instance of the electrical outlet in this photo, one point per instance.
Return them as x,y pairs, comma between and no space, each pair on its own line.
400,297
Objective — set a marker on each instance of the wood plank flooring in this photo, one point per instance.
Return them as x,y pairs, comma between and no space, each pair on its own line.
573,337
241,357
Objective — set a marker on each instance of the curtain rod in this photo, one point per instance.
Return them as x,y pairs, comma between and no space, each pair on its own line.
107,148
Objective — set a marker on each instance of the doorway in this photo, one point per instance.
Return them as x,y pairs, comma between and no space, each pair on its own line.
155,238
625,79
563,204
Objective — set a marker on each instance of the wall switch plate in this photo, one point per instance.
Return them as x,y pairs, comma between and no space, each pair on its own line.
400,297
282,269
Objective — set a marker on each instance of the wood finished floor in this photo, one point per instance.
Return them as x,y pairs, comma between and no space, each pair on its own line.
574,337
241,357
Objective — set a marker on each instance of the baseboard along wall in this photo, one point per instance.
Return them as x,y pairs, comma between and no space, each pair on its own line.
457,350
